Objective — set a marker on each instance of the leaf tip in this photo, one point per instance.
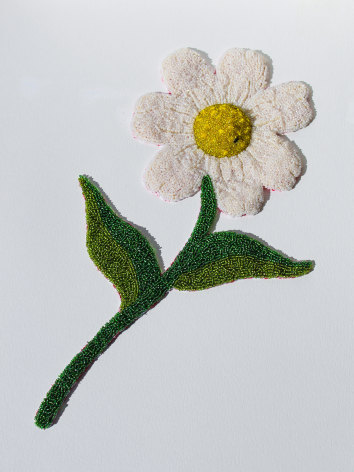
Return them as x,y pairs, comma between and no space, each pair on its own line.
83,180
305,267
86,185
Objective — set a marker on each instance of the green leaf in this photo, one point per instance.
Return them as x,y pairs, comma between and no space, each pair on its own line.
118,249
227,256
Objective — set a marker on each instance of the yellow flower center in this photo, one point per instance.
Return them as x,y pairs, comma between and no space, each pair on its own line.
222,130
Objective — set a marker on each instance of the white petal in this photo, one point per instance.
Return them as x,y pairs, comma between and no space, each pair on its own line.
186,70
240,198
243,73
240,168
277,158
160,117
236,191
283,108
175,173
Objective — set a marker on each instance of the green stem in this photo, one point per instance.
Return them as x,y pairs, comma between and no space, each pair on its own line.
62,387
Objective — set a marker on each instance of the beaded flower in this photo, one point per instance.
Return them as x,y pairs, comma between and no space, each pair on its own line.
220,132
226,123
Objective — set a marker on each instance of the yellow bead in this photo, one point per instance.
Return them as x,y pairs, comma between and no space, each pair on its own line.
222,130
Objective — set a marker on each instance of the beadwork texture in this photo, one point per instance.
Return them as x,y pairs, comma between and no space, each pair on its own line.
222,130
232,268
118,249
213,259
242,80
126,258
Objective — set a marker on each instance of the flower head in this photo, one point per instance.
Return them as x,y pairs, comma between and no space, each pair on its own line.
227,123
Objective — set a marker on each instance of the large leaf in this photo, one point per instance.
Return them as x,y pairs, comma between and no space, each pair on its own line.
118,249
226,256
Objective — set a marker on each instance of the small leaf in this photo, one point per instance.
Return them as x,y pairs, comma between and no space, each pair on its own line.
118,249
226,256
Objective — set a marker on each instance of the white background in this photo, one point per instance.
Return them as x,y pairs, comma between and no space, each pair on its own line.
255,376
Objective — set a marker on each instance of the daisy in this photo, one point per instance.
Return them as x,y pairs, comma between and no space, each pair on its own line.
225,122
